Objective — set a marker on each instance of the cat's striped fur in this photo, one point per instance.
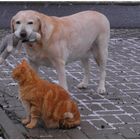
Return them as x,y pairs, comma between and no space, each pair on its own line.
44,100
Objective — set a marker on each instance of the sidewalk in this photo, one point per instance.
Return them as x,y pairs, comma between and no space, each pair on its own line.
115,114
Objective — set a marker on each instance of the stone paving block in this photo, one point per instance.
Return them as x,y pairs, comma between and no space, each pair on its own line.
95,107
82,97
96,96
126,125
137,107
126,118
14,102
34,133
136,130
99,136
101,124
129,109
110,106
22,129
131,91
115,136
20,113
43,134
127,133
110,112
108,131
76,134
111,119
121,86
133,85
89,117
2,100
10,130
88,129
137,117
84,111
57,134
128,100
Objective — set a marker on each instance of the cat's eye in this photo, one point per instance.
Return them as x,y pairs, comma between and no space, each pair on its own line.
17,22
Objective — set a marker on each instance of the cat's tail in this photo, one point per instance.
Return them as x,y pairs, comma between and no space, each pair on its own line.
70,120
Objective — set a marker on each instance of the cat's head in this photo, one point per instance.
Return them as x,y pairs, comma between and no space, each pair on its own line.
22,71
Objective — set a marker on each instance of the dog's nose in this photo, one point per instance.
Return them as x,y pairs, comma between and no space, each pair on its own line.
23,34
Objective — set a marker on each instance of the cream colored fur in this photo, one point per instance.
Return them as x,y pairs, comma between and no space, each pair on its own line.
66,39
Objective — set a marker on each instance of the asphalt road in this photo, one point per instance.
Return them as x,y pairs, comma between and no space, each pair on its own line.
119,15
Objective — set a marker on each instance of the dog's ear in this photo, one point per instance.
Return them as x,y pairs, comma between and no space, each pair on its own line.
12,24
45,26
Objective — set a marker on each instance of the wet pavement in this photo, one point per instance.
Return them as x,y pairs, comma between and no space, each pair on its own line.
115,114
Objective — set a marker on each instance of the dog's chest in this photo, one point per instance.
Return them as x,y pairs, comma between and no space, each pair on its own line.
38,55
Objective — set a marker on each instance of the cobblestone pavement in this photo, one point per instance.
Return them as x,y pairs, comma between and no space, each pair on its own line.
115,114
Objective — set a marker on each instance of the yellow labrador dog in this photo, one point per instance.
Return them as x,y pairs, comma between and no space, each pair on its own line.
65,39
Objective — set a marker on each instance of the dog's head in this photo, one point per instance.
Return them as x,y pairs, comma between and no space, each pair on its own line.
24,23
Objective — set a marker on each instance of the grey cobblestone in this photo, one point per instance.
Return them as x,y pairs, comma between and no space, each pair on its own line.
130,109
128,133
114,114
111,119
126,118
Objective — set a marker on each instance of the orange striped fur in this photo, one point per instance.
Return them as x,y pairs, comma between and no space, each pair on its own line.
44,100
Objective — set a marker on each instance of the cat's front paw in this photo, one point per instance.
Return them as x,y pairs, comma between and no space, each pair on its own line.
25,121
30,125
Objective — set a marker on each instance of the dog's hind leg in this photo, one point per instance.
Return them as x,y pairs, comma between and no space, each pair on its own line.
85,64
100,52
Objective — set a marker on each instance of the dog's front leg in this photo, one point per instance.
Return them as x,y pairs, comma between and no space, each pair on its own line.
60,68
84,83
33,65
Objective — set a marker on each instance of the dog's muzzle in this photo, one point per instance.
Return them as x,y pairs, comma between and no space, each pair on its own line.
33,37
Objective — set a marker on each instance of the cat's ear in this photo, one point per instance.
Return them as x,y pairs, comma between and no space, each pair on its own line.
24,62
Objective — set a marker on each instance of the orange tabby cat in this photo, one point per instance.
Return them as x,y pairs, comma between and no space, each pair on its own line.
44,100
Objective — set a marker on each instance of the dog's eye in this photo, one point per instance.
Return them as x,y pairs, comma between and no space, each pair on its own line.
17,22
30,22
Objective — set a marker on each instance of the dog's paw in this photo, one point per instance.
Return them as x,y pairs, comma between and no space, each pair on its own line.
82,85
101,90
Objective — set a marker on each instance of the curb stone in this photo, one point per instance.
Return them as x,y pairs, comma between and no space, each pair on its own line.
9,128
